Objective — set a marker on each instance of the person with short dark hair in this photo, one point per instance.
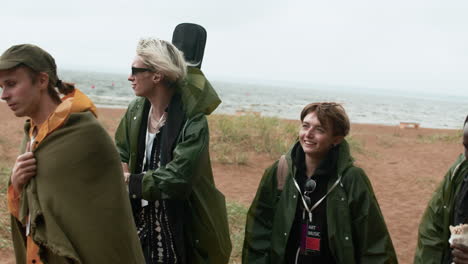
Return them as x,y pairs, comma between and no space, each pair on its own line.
314,205
448,206
66,196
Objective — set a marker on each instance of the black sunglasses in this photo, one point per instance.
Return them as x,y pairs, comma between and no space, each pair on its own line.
138,70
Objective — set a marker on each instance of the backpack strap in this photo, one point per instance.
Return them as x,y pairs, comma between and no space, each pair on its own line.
281,172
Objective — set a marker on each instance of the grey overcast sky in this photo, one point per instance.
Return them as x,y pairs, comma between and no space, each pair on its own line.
397,44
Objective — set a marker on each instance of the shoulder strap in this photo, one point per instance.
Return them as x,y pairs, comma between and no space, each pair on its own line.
281,172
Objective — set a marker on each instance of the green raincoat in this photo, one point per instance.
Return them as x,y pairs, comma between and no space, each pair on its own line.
356,229
434,233
188,175
77,202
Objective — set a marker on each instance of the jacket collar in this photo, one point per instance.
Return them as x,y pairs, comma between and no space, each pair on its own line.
462,162
170,132
326,166
343,162
175,120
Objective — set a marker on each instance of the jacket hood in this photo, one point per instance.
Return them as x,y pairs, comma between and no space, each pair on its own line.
75,102
344,156
197,93
79,102
460,164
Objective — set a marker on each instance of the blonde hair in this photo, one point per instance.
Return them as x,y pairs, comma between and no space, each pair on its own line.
163,57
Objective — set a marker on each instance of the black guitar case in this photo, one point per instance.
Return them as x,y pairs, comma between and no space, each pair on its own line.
191,40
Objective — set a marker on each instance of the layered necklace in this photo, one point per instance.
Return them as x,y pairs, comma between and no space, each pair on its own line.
154,124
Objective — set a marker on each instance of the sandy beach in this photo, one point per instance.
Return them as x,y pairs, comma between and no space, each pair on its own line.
404,166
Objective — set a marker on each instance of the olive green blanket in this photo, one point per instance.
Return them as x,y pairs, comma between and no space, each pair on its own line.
77,202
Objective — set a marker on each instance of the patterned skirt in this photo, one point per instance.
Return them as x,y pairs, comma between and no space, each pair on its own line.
156,236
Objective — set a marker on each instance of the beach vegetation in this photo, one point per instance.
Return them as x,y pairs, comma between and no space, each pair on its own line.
5,231
397,133
235,138
386,141
356,145
448,138
237,213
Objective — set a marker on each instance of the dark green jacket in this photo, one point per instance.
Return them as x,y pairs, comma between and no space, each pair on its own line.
434,232
77,202
188,175
356,229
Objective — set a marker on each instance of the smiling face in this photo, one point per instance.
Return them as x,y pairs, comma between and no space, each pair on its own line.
315,138
142,82
20,92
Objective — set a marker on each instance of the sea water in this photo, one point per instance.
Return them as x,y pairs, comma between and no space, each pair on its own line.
373,106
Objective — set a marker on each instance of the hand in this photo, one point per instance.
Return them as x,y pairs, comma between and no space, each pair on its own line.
23,171
459,253
126,177
126,172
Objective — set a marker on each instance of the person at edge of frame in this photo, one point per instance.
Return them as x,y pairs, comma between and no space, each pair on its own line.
448,206
66,197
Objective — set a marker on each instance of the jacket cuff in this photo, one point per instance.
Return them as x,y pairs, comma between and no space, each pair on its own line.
134,186
151,192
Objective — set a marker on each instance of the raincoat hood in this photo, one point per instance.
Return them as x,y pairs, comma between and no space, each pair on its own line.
198,96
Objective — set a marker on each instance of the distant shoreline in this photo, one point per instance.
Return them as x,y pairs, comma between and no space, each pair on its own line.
119,108
285,101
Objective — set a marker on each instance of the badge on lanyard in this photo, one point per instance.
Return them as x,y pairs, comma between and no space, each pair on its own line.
310,231
310,238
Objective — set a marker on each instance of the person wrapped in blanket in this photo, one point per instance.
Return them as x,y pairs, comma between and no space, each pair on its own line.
163,141
67,200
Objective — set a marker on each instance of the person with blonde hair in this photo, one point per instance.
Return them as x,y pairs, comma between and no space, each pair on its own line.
66,197
314,205
163,141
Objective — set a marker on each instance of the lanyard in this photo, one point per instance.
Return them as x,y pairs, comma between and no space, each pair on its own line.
309,210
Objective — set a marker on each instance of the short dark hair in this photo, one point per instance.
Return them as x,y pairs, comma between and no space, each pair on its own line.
329,113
